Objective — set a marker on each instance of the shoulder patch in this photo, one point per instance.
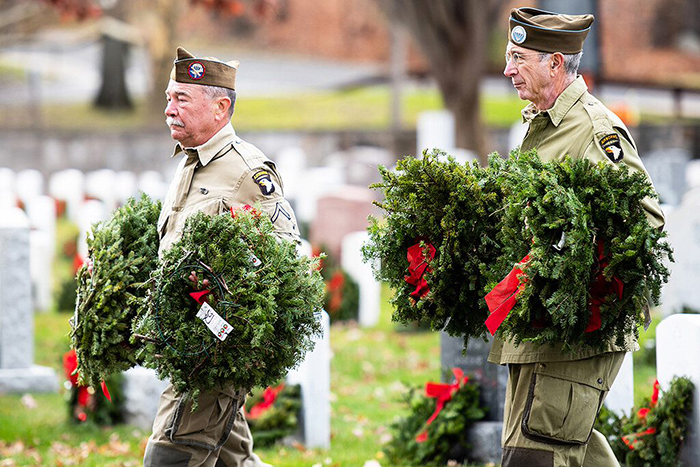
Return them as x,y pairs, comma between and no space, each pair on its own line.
612,147
264,180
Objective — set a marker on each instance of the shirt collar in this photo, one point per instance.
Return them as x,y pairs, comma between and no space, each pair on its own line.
212,148
562,105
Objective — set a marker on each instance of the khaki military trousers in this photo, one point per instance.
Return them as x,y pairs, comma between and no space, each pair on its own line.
550,411
215,435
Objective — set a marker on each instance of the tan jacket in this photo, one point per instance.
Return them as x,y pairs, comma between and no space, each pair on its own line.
577,125
229,173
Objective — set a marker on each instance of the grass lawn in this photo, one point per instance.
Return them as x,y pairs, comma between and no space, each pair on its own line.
366,108
369,371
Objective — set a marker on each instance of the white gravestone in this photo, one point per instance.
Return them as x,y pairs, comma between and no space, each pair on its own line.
40,263
69,186
314,377
152,183
28,185
361,272
667,168
620,399
435,129
142,390
683,227
91,211
291,163
101,185
17,370
678,354
7,188
126,186
317,182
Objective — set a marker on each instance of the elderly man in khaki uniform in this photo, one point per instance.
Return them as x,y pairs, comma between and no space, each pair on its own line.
218,171
553,397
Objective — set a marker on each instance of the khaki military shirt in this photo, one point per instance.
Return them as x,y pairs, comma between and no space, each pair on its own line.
580,126
229,173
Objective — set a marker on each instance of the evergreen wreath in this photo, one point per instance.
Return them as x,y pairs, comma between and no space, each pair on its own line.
587,259
267,295
278,416
416,443
123,251
454,208
652,435
593,261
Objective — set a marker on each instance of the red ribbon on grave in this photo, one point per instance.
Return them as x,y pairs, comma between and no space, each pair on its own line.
417,267
200,297
600,289
269,396
502,298
70,365
634,438
443,393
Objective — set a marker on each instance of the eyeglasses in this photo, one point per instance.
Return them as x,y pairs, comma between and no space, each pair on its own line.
517,57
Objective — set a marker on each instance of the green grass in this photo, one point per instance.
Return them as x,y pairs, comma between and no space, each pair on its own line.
366,108
369,371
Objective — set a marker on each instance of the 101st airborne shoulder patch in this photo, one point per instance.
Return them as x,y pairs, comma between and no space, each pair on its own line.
264,180
612,147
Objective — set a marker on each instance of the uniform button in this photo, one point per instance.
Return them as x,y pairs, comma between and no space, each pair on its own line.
600,380
203,191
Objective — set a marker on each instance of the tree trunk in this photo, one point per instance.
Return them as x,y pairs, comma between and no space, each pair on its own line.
114,94
453,36
162,37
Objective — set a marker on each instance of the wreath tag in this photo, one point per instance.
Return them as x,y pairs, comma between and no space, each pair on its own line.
216,324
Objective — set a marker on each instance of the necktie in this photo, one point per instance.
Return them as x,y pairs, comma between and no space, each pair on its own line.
183,186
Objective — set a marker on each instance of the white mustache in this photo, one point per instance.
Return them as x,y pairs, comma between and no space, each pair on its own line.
170,121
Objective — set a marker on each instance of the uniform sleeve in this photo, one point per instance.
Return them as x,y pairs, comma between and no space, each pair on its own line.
263,186
595,153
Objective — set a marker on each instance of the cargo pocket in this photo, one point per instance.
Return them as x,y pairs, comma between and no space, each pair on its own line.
564,399
209,426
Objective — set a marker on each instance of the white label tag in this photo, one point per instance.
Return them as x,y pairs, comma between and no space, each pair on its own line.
214,322
255,260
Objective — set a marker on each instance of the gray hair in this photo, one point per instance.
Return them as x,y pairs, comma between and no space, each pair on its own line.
216,92
571,61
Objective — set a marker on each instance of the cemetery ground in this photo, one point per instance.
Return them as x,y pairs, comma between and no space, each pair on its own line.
370,371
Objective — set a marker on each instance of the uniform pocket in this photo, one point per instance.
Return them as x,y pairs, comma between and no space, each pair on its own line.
209,426
564,399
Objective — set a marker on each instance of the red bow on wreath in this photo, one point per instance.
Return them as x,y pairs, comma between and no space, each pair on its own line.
502,298
418,265
633,439
443,393
269,396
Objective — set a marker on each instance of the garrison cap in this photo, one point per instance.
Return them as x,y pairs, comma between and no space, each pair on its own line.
546,31
209,71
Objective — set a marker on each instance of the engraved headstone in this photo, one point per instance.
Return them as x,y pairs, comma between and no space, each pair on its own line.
667,168
683,227
341,212
361,273
677,343
485,436
314,377
17,370
620,398
142,390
